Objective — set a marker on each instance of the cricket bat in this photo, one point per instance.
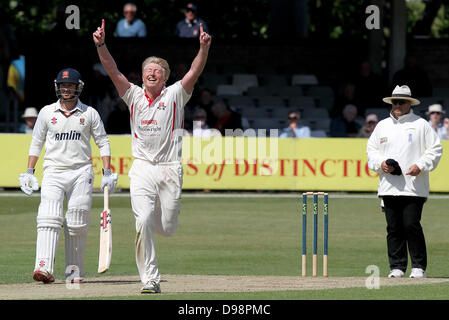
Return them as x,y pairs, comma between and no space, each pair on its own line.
104,258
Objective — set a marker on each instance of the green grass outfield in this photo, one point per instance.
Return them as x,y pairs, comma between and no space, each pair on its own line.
240,236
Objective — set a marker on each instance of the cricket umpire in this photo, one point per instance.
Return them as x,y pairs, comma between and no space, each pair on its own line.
65,127
403,149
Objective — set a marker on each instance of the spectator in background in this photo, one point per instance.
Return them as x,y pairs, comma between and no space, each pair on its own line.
345,125
206,101
30,117
435,114
130,26
115,124
200,127
16,77
103,97
294,129
226,118
414,77
190,26
370,123
345,96
369,88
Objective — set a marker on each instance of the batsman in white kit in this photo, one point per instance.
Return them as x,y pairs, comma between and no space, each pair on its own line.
157,118
65,127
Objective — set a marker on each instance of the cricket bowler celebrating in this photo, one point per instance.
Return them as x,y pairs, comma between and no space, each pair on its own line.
156,113
65,127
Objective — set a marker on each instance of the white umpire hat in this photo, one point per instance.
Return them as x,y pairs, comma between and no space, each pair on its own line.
402,93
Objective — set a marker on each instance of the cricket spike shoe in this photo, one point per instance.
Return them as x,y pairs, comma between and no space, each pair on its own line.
151,287
396,273
417,273
44,276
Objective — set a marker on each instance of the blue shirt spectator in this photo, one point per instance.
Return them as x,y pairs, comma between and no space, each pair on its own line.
294,129
190,26
130,26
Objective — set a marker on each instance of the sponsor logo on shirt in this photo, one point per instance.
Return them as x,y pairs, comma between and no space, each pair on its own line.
161,106
72,135
82,121
383,140
147,122
54,120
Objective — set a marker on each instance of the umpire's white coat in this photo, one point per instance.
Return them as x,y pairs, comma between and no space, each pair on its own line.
408,140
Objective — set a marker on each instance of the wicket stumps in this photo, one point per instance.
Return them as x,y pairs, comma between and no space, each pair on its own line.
315,232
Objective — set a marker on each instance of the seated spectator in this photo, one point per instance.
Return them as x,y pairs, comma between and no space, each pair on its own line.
413,76
435,114
370,123
130,26
345,125
226,118
294,129
103,97
345,95
190,26
30,117
200,127
119,120
206,101
369,88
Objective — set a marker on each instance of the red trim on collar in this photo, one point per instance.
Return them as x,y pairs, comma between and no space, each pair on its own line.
150,101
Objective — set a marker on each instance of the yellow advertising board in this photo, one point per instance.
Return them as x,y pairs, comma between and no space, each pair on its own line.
241,163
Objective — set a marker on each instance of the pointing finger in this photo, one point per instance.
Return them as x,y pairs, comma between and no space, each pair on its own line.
201,28
102,23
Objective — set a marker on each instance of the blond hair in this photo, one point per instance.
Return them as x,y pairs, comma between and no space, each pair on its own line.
159,61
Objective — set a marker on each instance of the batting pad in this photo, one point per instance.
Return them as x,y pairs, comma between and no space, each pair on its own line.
46,245
49,214
49,223
76,224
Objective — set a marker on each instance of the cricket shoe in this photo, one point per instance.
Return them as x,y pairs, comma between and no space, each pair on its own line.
44,276
417,273
396,273
77,280
151,287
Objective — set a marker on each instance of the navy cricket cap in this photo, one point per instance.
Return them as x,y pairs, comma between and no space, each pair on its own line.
68,75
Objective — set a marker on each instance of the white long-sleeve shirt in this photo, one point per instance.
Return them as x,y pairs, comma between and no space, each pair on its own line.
408,140
441,131
156,126
67,136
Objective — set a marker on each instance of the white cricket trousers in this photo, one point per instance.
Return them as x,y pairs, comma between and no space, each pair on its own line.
76,186
156,202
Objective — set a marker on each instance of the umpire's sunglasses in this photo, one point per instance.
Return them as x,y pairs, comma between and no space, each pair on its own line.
399,101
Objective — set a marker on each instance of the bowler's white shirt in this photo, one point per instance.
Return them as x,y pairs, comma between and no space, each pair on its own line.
67,136
408,140
157,126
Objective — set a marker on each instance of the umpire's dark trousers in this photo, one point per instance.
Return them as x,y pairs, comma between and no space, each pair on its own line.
403,215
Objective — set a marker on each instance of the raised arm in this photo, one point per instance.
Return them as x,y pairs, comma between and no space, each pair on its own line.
189,79
119,80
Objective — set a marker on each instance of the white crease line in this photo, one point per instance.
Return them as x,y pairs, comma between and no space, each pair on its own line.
229,195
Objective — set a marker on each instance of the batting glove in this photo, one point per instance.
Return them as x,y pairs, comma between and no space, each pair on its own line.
109,179
28,182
